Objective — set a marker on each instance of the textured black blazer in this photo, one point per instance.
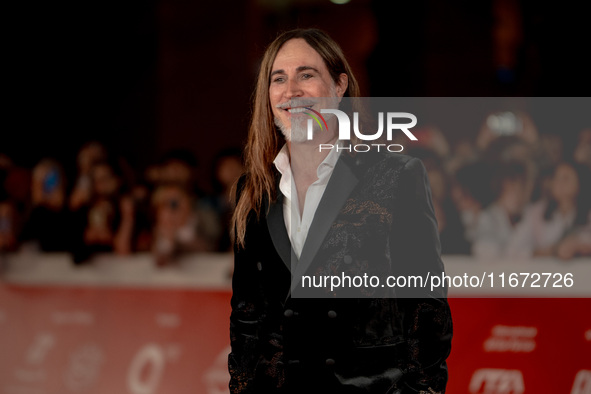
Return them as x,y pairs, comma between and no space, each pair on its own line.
381,341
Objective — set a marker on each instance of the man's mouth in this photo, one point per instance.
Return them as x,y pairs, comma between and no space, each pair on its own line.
296,110
299,107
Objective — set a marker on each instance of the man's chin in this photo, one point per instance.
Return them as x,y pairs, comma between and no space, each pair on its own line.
299,135
294,138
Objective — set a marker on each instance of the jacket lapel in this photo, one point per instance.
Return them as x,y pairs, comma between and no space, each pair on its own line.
342,182
278,232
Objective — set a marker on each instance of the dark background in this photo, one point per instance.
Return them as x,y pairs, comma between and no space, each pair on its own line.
148,76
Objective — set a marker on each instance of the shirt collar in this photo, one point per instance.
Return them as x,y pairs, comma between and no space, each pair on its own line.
283,166
282,161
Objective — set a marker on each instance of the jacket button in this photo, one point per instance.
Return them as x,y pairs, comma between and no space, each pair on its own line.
329,362
288,313
332,314
348,259
259,266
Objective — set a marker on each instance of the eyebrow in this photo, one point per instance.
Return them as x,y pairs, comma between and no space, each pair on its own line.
299,69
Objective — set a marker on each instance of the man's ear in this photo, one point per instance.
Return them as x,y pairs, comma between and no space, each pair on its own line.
342,84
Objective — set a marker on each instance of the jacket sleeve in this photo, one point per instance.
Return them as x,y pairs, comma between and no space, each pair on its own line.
244,328
416,250
245,318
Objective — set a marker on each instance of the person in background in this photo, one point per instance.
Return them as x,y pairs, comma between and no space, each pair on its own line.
105,223
549,150
91,153
15,180
497,224
582,153
176,167
47,227
464,152
558,225
547,154
14,195
8,224
576,243
179,227
471,192
508,148
227,168
141,195
503,124
452,233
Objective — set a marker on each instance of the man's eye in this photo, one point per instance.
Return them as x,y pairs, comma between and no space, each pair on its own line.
306,76
279,80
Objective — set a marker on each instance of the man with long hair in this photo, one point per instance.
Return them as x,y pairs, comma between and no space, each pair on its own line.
304,210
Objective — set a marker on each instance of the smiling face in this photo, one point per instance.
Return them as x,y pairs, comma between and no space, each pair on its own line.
299,72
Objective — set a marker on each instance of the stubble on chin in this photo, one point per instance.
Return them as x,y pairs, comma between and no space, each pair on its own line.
286,131
300,135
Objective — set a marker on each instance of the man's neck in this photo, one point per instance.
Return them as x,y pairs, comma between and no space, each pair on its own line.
306,157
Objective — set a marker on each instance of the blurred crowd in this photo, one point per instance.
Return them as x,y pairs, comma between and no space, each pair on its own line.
104,207
510,193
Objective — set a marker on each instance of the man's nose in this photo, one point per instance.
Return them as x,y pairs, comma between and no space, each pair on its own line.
293,88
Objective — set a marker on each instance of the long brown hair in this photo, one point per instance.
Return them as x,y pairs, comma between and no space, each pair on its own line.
264,141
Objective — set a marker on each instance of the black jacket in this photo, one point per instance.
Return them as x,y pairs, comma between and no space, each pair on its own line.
380,341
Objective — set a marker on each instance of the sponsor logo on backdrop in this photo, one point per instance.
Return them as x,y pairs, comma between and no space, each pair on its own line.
582,384
84,368
217,376
34,370
168,320
40,347
517,339
497,381
152,358
76,318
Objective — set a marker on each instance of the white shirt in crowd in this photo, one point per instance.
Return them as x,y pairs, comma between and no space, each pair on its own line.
497,238
296,223
535,232
494,235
